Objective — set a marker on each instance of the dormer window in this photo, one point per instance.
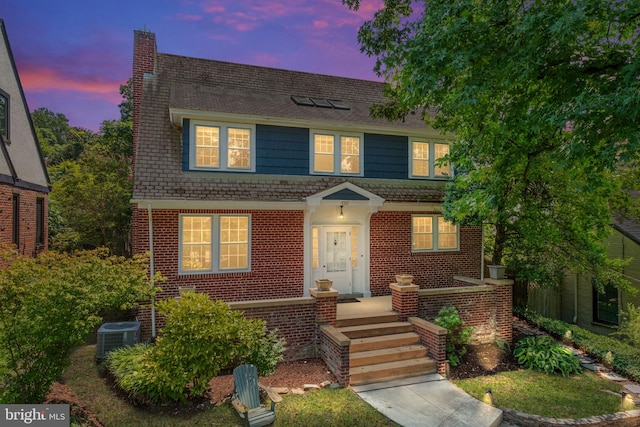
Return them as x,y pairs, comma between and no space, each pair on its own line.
4,116
424,160
222,146
333,153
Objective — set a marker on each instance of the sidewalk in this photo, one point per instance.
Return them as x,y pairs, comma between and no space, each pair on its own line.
428,401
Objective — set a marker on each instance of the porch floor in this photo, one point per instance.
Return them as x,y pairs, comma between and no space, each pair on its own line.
365,306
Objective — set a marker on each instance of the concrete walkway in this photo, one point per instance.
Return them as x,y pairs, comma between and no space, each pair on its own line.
428,401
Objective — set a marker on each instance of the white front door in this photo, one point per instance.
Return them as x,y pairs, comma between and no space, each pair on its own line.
335,258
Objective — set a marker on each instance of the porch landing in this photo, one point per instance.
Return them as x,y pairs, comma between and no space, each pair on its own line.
365,306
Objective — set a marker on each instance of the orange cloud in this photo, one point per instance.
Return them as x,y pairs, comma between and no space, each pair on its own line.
320,24
47,80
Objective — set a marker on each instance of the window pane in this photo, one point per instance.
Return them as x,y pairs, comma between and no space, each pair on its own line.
441,151
239,155
607,305
4,115
196,243
354,247
447,234
422,233
207,146
315,251
350,151
420,159
323,153
234,242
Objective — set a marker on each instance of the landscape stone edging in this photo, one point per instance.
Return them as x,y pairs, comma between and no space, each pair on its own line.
624,419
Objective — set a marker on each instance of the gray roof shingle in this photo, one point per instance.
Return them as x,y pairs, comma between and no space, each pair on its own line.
199,85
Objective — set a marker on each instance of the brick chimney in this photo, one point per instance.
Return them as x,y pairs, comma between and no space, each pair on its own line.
144,62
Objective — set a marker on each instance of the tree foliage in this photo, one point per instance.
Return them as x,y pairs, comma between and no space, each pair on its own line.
91,176
544,101
50,304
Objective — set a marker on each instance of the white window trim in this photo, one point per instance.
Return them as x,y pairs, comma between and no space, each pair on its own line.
435,235
336,152
224,149
432,160
215,245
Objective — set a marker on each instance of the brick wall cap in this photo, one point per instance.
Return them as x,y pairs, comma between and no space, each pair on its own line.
456,290
424,324
240,305
323,294
404,288
501,282
335,335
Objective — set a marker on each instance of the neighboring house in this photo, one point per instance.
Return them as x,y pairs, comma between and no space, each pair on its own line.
582,304
24,183
250,183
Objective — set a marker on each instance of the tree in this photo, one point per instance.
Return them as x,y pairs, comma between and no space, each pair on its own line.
544,101
50,304
91,175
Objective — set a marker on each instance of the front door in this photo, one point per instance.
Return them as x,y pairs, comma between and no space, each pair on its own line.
335,253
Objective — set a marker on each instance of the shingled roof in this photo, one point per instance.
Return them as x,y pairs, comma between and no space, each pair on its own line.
192,87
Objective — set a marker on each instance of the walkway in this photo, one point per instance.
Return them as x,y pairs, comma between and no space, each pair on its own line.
428,401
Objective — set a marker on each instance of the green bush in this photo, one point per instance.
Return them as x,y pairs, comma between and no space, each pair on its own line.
49,305
200,338
458,335
630,325
624,359
544,354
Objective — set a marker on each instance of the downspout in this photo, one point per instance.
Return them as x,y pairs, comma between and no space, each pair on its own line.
152,273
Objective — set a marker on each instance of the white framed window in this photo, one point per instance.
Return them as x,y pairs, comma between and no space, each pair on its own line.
222,146
334,153
4,116
433,233
423,159
214,243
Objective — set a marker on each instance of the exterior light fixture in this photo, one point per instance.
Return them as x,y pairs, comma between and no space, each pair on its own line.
341,214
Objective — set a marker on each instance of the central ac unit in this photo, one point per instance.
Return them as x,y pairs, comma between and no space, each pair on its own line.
115,335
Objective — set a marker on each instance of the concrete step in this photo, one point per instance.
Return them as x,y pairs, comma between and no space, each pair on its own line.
391,370
362,331
383,341
384,355
360,319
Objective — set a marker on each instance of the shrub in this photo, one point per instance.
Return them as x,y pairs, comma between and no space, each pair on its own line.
630,325
624,359
200,338
458,334
49,305
542,353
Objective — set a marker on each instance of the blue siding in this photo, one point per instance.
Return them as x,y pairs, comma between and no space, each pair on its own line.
282,150
185,144
386,156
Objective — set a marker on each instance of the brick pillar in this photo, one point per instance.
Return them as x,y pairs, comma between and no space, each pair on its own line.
404,300
504,307
326,306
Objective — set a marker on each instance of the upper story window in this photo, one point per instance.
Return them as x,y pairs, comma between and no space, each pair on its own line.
433,233
424,160
214,243
219,146
4,116
336,154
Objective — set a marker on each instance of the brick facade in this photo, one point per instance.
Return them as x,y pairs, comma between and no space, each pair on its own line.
277,256
27,218
391,254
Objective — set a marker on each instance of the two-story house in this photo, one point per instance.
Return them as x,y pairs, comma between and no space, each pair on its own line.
250,183
24,183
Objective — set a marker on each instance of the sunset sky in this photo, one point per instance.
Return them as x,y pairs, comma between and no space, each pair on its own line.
73,55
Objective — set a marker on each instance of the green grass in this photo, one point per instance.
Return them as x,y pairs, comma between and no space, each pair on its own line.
555,396
340,407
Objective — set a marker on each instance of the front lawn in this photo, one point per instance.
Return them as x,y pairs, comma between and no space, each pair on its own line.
338,407
531,392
